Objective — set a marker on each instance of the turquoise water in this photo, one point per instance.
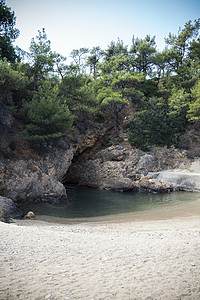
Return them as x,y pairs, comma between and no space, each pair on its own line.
90,203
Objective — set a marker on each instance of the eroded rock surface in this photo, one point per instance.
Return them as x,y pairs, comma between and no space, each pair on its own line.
9,210
121,167
185,181
38,176
23,180
84,157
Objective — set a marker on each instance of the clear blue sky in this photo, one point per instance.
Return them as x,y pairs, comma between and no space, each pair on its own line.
72,24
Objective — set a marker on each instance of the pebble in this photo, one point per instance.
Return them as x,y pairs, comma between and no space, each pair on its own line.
48,296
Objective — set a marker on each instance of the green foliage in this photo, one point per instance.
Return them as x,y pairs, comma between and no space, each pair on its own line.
8,154
42,58
143,51
159,60
7,33
60,65
128,80
179,44
163,87
194,48
153,126
48,117
93,60
77,90
179,101
149,88
115,65
115,49
13,85
107,95
194,108
79,58
111,102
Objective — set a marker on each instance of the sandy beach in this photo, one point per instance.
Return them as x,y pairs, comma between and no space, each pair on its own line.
129,260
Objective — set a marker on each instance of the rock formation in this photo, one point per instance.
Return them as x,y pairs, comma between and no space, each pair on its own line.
120,167
38,175
9,210
87,157
30,215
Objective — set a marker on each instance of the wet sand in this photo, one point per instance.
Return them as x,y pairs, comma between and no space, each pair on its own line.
155,257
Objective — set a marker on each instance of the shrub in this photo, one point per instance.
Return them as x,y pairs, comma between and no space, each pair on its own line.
154,125
47,116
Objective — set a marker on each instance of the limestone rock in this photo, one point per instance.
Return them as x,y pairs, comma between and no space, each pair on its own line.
9,209
120,167
2,173
24,180
148,184
38,175
180,181
145,164
30,215
82,157
118,184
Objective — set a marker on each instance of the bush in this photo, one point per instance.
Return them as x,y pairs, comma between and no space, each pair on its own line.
13,85
47,116
154,125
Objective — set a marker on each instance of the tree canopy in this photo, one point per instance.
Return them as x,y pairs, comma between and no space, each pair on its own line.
8,32
161,87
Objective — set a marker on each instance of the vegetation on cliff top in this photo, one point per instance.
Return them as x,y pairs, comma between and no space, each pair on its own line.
161,88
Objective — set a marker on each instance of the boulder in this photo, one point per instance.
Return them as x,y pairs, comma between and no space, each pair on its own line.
118,184
152,185
9,210
145,164
23,180
184,181
30,215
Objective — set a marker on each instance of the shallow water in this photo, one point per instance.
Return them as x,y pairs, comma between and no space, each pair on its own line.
88,204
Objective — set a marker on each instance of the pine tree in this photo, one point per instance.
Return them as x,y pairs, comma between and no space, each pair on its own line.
48,117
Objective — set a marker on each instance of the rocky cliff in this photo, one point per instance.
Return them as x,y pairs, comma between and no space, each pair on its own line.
28,173
120,167
87,157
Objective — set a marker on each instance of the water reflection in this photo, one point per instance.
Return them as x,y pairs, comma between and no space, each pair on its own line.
89,203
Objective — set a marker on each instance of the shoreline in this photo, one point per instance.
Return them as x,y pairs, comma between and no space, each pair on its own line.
164,212
124,261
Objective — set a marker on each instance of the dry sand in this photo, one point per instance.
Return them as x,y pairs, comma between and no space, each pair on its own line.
129,260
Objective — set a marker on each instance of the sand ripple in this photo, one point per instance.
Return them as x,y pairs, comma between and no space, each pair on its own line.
136,260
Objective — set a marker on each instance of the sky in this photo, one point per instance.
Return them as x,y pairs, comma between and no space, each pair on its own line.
73,24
